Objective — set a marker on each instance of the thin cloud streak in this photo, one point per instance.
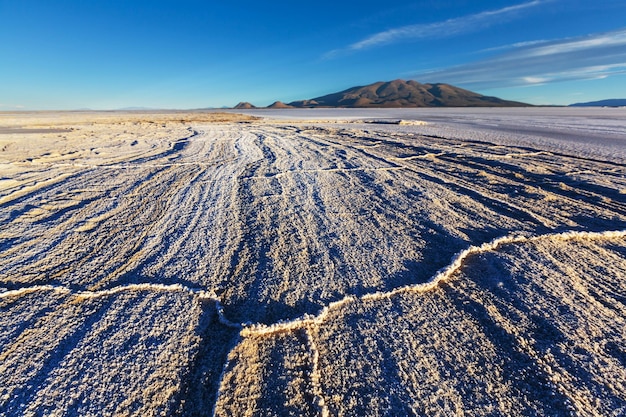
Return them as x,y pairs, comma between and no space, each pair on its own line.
12,106
589,57
442,29
513,46
601,41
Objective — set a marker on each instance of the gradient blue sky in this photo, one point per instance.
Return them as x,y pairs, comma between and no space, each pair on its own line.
111,54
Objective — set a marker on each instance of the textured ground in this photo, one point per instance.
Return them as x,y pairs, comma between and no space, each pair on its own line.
184,264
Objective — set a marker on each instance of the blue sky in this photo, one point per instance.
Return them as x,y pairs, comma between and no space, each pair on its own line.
190,54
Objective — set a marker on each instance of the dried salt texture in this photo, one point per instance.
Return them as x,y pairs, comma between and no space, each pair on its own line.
188,264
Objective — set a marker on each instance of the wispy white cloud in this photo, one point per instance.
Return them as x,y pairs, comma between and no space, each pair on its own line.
446,28
605,40
12,106
532,63
512,46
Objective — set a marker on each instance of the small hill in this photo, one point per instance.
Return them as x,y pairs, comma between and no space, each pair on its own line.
401,93
613,102
279,105
244,105
305,103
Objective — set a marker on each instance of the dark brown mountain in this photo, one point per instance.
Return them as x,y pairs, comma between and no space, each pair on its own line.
245,105
400,93
279,105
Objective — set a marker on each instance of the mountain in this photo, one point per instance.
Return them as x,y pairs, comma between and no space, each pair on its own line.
613,102
245,105
400,93
279,105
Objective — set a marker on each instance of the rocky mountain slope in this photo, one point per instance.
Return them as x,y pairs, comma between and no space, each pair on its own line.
400,93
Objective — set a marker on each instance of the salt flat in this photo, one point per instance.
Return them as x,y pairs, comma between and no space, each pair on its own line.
327,262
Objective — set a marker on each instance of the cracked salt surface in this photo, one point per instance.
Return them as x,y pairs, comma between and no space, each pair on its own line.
308,268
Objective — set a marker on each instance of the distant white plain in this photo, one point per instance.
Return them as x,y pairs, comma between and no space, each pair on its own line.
585,131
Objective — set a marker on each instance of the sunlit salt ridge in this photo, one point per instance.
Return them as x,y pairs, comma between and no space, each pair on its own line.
251,329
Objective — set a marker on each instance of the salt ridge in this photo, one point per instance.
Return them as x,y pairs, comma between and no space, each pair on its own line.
260,329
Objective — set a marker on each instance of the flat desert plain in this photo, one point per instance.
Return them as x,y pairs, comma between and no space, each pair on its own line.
460,262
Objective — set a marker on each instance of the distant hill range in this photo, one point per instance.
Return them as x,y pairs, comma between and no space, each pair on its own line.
613,102
398,93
